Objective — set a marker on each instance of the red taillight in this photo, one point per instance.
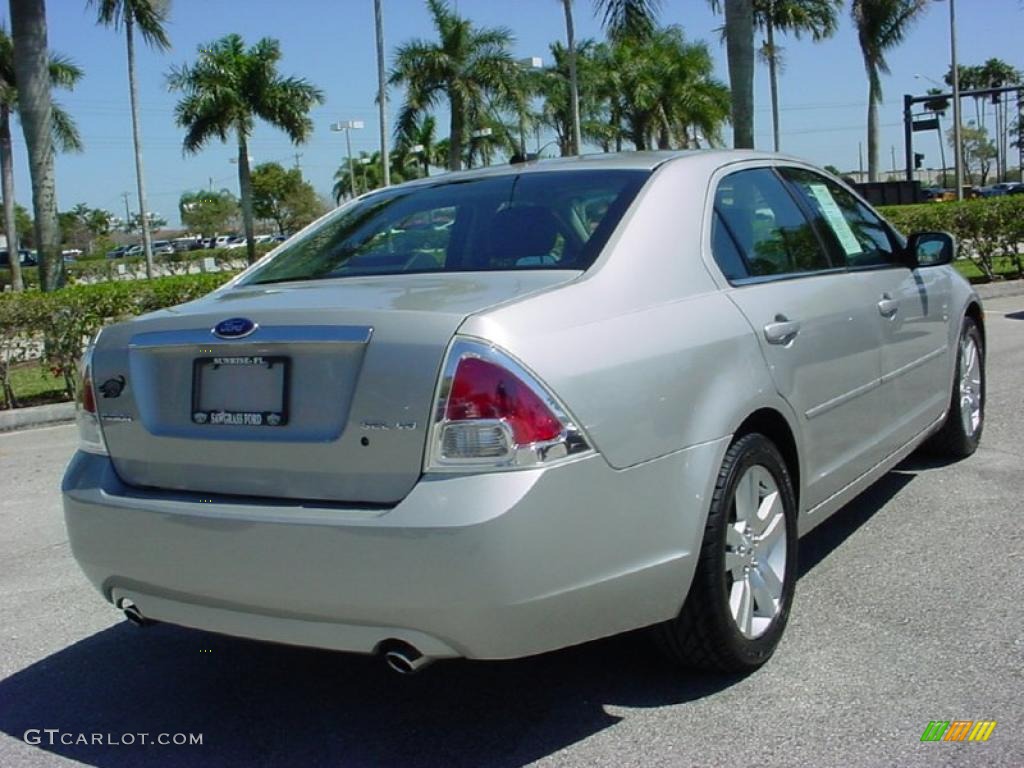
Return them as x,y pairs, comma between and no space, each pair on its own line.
484,390
87,393
90,434
492,413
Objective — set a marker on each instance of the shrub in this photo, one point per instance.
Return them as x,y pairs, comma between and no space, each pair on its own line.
55,327
985,229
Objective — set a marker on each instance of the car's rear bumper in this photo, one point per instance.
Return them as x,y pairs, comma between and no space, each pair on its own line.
487,566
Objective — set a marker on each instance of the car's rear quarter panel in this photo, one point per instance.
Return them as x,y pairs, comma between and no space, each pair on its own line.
643,349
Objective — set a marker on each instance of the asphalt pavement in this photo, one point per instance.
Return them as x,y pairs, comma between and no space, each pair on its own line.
908,610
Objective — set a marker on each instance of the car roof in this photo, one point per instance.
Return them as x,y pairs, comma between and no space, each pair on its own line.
637,161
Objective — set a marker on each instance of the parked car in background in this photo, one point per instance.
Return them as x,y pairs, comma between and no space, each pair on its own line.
1016,189
612,394
182,244
26,258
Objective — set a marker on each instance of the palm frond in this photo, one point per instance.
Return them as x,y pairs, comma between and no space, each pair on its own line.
66,137
149,17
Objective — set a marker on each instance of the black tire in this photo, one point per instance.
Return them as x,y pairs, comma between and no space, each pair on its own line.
705,635
953,440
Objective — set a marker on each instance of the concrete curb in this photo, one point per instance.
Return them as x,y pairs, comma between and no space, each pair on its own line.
36,416
1000,289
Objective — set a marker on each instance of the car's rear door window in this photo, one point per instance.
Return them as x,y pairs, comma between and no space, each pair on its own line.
766,226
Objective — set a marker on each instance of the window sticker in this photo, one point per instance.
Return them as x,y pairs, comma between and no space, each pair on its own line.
836,220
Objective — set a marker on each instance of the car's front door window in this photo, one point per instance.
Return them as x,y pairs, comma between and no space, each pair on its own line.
860,237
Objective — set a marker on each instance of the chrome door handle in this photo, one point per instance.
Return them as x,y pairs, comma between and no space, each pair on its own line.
782,331
888,306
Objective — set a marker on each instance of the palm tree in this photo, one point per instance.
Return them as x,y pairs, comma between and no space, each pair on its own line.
149,16
63,73
818,18
35,108
574,83
230,86
739,46
881,26
422,136
668,96
628,18
466,66
368,172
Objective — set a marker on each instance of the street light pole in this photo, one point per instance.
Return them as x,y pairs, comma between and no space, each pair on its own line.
382,94
958,148
348,126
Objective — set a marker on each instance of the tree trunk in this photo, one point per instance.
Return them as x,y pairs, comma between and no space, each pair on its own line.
873,149
574,86
739,43
773,82
245,191
137,140
32,69
382,95
7,189
456,127
133,91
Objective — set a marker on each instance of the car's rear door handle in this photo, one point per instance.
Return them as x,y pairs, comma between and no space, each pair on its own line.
888,306
782,331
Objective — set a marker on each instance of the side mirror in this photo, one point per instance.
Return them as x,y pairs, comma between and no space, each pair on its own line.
931,249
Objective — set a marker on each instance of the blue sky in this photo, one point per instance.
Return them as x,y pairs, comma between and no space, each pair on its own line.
330,42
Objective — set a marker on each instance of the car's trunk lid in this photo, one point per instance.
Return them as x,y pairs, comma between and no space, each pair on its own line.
353,362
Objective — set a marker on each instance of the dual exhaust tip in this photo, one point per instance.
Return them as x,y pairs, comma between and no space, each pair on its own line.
400,656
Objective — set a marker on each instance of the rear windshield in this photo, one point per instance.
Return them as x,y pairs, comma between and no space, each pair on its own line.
545,220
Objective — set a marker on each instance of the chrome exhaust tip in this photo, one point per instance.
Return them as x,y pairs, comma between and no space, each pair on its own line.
403,658
133,614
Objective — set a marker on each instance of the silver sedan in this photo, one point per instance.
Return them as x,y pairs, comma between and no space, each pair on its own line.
500,412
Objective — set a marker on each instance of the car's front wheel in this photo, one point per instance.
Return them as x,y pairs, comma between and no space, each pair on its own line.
960,434
741,593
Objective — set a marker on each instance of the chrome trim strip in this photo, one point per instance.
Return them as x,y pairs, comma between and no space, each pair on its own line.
835,402
264,334
886,378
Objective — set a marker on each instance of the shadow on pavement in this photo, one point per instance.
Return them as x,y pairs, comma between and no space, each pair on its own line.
263,704
1014,316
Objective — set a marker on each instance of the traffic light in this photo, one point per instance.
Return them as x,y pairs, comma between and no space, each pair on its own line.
918,159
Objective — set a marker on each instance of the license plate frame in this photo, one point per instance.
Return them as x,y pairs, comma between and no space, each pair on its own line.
230,417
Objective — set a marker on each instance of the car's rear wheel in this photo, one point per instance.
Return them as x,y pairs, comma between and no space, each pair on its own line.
739,601
960,434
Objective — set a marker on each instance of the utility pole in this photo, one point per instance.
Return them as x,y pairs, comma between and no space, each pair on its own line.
382,94
958,142
298,166
893,148
860,161
127,212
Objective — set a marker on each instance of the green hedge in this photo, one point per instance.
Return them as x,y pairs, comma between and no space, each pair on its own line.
989,231
54,326
104,269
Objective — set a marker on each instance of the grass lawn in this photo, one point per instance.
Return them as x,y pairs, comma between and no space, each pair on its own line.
33,385
1003,267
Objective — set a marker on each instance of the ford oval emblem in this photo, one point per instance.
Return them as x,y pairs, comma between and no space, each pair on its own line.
234,328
